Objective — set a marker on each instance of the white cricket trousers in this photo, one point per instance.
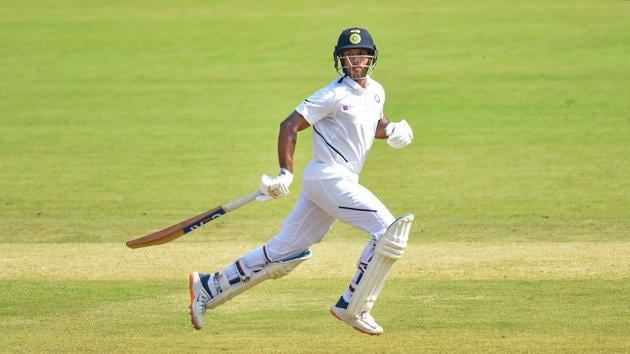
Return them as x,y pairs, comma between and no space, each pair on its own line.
321,203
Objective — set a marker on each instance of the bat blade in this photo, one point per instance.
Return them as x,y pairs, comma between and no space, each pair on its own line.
172,232
175,231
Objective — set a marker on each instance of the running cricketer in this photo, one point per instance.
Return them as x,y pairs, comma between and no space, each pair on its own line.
346,117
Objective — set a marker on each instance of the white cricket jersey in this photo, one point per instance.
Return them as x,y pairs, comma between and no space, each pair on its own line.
344,117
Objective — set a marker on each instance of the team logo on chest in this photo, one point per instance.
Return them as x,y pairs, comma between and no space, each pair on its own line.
377,98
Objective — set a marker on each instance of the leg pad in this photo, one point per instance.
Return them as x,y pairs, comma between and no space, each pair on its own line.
389,248
249,279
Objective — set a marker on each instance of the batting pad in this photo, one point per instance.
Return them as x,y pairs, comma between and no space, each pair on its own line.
273,270
389,248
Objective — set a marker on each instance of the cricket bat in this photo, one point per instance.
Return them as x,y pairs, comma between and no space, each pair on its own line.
172,232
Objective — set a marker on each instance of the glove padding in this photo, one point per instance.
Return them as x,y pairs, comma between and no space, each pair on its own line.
399,134
275,187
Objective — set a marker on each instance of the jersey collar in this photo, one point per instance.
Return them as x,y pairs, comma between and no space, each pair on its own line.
354,85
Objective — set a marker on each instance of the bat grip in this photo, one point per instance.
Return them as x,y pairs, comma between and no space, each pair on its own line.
241,201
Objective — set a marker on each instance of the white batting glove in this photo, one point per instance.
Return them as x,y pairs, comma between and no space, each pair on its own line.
276,187
399,134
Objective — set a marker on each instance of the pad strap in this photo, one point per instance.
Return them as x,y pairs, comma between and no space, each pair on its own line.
244,273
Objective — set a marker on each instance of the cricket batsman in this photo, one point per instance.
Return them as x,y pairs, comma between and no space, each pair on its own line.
346,117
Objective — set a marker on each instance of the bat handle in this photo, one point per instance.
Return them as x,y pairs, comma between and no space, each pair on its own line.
240,202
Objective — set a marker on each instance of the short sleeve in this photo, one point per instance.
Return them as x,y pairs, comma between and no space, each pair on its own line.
319,105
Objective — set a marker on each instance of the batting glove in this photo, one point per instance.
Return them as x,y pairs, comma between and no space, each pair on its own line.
399,134
278,186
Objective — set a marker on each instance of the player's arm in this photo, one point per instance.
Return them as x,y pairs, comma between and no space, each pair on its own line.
380,128
317,106
287,139
278,186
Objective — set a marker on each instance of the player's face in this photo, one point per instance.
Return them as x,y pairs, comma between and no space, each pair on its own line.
356,62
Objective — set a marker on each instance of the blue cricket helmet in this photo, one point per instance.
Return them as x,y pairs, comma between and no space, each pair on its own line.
354,38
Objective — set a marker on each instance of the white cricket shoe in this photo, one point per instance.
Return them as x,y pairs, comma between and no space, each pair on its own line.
364,323
198,300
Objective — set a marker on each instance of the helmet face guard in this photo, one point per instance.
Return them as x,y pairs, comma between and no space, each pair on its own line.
355,38
345,65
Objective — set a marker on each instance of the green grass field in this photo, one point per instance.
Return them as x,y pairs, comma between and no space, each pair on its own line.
118,118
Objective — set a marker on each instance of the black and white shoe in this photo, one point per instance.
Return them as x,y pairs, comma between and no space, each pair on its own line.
364,323
199,297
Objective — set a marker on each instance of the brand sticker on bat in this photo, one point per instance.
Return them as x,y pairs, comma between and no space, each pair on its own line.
203,221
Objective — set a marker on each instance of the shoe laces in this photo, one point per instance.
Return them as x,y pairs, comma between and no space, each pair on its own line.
203,299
